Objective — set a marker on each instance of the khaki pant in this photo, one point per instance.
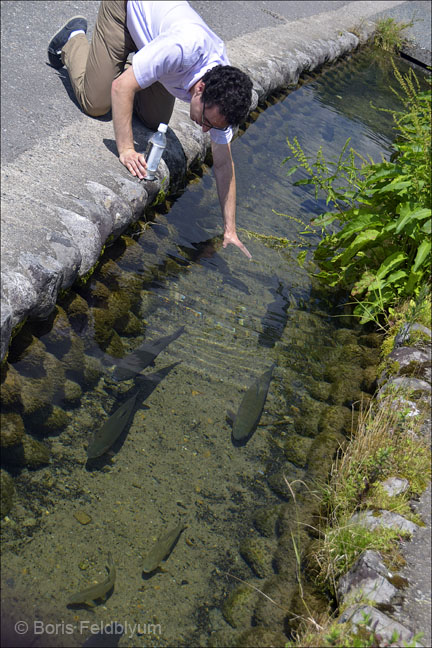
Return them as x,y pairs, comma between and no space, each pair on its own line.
93,67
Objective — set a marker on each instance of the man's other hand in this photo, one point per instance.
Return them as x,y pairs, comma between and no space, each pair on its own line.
234,239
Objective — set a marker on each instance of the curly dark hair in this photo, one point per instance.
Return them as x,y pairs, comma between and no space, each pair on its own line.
230,90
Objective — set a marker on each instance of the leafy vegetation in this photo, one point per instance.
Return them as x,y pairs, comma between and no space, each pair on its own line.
376,239
388,34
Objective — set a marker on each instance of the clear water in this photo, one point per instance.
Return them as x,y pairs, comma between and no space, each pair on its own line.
177,459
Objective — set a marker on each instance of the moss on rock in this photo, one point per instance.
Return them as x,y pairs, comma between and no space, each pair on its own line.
258,637
36,394
73,360
258,553
115,347
335,418
55,421
29,453
321,454
58,338
307,416
11,386
265,520
279,589
93,370
72,393
11,429
7,490
30,361
318,389
296,449
238,608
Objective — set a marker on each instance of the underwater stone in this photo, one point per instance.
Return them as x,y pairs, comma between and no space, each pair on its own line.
99,294
73,360
306,419
29,452
7,490
345,336
308,600
352,354
319,389
369,380
280,589
93,370
58,340
237,609
56,421
31,358
277,480
341,391
36,394
258,637
115,347
296,449
285,556
10,386
334,372
72,392
372,340
103,322
265,520
369,358
119,304
321,454
133,325
110,273
258,553
55,371
335,418
76,309
11,429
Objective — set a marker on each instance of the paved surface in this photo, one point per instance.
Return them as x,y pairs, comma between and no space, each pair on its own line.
52,153
34,102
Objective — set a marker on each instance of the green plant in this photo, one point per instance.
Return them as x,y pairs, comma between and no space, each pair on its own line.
376,240
388,34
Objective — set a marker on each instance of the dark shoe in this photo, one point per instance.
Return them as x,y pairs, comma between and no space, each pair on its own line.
60,38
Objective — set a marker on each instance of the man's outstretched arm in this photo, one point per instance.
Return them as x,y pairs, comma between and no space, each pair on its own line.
223,168
123,91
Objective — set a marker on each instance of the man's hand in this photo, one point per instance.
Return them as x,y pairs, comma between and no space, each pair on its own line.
234,239
134,162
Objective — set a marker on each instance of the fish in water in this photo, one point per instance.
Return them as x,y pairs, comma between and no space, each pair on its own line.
251,407
162,548
112,428
115,425
132,364
95,592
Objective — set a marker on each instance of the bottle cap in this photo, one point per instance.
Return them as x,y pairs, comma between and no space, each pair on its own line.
162,128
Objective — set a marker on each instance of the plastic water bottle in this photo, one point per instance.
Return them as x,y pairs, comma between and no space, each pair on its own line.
156,147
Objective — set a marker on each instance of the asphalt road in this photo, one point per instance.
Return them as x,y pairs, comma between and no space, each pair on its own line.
34,96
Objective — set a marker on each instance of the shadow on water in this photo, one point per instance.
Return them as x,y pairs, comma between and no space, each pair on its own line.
176,455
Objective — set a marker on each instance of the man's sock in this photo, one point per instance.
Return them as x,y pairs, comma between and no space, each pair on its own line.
74,33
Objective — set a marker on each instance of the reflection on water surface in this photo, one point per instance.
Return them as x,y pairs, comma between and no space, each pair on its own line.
175,461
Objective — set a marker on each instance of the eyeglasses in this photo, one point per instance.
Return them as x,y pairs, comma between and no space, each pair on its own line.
206,123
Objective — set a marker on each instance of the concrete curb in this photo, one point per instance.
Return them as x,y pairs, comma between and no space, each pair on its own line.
66,197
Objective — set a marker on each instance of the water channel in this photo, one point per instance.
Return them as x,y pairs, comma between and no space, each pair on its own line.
177,460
